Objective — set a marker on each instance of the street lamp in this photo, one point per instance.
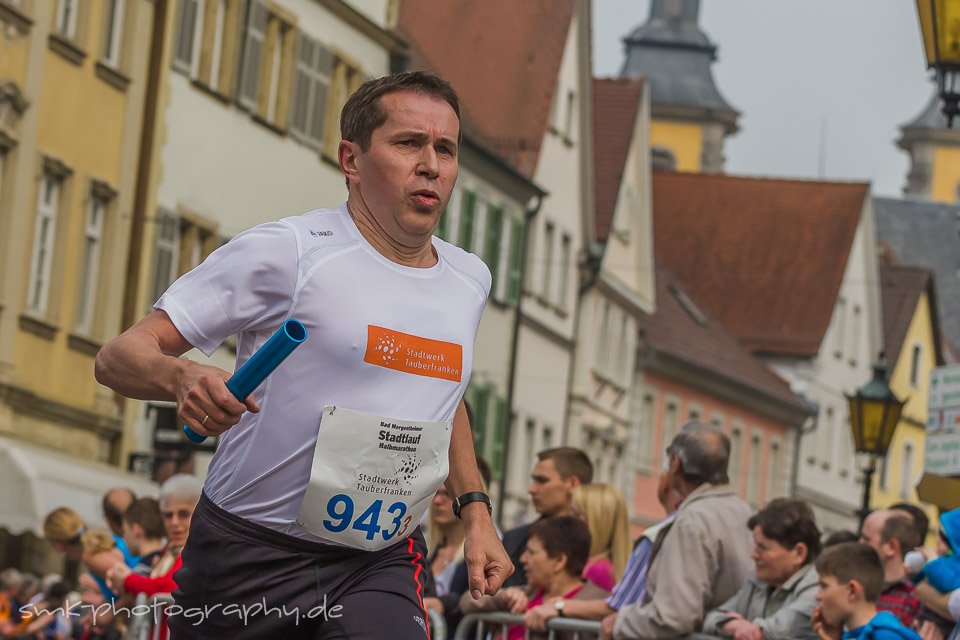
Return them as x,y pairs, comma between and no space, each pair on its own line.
940,24
874,414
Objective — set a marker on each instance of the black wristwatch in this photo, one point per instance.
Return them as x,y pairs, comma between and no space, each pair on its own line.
474,496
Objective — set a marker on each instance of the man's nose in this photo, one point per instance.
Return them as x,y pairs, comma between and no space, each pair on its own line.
428,165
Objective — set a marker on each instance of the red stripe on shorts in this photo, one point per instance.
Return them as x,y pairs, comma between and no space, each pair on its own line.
418,566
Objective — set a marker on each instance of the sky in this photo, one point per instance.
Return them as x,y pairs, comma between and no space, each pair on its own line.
852,68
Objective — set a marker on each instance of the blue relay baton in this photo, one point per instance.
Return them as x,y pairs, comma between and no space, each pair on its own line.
260,365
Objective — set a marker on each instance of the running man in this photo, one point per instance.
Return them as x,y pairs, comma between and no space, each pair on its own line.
308,526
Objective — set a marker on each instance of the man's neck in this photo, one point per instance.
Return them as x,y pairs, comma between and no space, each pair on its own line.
861,615
150,546
420,256
893,570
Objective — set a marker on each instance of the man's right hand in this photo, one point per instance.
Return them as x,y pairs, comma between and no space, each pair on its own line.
204,402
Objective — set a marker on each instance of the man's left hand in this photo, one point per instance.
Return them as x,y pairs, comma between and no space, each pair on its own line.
606,627
488,564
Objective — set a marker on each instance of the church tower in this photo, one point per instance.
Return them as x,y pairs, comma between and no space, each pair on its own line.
934,155
689,117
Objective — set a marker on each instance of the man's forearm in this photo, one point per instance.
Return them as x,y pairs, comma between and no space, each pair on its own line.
597,609
143,362
464,475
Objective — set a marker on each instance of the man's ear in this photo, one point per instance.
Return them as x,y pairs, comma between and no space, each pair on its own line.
347,153
574,481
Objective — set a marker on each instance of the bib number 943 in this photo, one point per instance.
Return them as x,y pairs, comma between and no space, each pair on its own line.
341,510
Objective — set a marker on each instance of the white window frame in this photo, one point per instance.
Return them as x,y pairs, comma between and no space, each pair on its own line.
840,328
171,245
671,419
774,464
113,42
753,467
736,454
694,408
825,439
90,271
566,255
276,63
906,479
44,243
66,24
549,240
191,66
603,337
647,428
916,359
219,24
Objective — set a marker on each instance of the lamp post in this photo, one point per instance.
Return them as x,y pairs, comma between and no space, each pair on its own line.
874,414
940,24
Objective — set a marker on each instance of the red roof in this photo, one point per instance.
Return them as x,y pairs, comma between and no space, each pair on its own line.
503,58
616,102
688,332
765,256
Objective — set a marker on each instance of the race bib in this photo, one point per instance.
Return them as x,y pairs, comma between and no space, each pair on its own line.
373,478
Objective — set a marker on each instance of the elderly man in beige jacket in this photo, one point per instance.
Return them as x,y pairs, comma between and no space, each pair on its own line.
703,558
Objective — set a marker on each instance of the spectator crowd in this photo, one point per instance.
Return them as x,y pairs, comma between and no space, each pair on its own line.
712,565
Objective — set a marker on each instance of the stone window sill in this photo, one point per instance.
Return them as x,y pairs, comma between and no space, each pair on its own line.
67,48
38,326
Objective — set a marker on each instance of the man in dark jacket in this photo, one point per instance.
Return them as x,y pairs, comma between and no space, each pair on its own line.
557,473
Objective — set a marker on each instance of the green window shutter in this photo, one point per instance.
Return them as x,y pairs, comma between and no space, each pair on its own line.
491,246
467,215
443,227
499,444
516,260
481,402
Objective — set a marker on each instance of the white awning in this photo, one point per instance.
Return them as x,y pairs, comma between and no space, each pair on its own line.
34,481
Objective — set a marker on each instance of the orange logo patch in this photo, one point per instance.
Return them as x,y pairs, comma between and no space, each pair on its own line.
413,354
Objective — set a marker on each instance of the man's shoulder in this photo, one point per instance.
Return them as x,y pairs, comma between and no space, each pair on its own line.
320,228
464,262
517,535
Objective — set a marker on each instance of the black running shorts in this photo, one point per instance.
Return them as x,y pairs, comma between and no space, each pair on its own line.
243,580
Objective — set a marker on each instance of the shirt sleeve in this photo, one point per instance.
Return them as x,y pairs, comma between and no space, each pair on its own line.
630,587
247,284
151,586
792,621
719,616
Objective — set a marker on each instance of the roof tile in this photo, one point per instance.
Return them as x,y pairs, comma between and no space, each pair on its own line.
765,256
616,102
503,58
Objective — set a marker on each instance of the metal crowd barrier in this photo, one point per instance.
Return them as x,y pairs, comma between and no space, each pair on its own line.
480,626
477,623
141,626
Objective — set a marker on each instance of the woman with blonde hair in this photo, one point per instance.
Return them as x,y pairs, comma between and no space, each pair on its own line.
605,511
68,534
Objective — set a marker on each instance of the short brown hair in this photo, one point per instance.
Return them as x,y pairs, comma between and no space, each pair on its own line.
363,113
853,561
146,513
567,535
789,522
901,527
569,461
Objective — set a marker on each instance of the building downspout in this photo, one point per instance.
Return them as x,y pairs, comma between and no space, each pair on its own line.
151,109
530,214
809,426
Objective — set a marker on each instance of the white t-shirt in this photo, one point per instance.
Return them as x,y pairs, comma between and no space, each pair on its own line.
381,338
